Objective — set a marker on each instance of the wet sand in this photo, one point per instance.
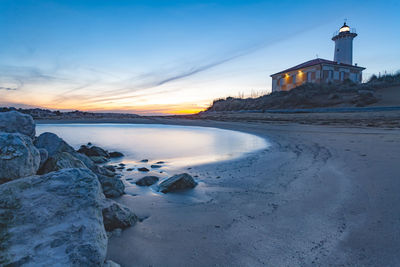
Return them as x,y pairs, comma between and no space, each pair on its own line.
321,195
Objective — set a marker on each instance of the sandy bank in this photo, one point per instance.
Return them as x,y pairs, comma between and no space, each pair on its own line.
320,195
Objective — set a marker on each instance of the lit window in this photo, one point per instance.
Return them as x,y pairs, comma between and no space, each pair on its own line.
344,29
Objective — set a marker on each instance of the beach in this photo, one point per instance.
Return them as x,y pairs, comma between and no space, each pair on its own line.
320,195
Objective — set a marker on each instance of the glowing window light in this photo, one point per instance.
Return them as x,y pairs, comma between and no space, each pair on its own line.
344,29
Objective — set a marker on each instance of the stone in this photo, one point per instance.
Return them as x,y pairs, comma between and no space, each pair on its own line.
177,182
53,144
116,215
143,169
18,156
144,160
93,151
52,220
155,166
160,162
116,154
16,122
59,161
147,181
98,159
44,155
112,186
129,169
110,167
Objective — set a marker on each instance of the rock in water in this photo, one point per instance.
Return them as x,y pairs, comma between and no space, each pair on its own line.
18,157
52,220
99,159
143,169
53,144
93,151
147,181
60,161
177,182
116,154
116,215
16,122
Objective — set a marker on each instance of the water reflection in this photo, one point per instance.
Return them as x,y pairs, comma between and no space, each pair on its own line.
178,146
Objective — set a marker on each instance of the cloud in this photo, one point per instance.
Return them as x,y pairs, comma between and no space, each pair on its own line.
7,88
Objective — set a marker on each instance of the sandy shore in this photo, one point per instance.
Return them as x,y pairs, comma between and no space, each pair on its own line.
321,195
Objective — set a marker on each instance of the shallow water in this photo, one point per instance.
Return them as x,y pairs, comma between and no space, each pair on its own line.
177,146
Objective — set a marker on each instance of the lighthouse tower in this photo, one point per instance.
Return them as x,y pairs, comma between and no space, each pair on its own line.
344,45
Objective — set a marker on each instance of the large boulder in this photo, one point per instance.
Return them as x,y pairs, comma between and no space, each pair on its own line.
18,157
62,160
16,122
112,186
52,220
177,182
44,155
116,215
53,144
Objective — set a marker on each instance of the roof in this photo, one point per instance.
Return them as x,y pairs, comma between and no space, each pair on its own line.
316,61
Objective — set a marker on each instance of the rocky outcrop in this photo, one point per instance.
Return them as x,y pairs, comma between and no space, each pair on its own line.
59,161
53,144
44,155
147,181
52,220
18,156
15,122
177,182
116,215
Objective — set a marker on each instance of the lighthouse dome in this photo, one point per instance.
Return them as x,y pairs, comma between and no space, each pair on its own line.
344,28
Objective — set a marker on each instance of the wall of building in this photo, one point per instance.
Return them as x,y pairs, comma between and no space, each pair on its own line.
315,74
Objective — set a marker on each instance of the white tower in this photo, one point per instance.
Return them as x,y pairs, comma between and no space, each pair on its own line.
344,45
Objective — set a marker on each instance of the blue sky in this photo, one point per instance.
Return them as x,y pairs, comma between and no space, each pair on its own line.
170,56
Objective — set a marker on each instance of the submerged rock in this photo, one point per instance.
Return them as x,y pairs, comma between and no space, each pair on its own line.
144,160
177,182
116,215
116,154
143,169
147,181
16,122
52,220
59,161
155,166
18,156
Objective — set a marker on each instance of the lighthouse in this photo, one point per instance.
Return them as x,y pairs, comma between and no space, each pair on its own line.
344,45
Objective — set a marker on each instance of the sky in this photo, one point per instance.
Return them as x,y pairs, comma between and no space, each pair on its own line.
175,57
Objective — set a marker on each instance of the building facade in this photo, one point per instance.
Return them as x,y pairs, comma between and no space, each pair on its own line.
322,70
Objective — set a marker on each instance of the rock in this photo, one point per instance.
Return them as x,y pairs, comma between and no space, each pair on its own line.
160,162
120,168
143,169
93,151
116,215
110,263
121,164
155,166
147,181
52,220
16,122
129,169
98,159
44,155
53,144
112,186
18,156
144,160
116,154
177,182
59,161
109,167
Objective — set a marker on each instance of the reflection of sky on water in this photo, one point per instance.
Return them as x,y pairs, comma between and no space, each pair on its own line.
178,146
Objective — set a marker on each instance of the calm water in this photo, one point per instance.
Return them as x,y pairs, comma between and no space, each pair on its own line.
178,146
